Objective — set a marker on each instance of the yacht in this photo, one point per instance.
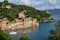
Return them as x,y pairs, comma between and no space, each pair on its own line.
13,33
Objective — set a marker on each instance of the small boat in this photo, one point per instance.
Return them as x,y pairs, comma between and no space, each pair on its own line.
13,33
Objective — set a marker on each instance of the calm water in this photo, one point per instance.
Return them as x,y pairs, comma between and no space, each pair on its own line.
42,32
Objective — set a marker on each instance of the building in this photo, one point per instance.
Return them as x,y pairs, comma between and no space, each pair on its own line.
47,12
26,22
34,22
30,22
21,15
8,6
4,23
21,24
5,20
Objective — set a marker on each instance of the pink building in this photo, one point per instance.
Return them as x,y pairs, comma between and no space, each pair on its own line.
22,15
21,24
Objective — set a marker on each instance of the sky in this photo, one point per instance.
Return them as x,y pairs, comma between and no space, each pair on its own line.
38,4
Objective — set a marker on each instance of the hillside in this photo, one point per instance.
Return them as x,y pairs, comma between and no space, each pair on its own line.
55,11
11,11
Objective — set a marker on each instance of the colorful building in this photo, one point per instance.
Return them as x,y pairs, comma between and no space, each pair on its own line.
34,22
22,15
26,22
4,23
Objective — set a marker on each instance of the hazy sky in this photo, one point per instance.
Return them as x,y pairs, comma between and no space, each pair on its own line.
38,4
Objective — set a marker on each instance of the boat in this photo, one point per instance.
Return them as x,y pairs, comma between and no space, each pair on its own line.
13,33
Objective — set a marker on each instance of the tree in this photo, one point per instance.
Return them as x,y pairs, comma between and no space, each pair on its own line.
15,9
55,34
4,36
24,38
6,1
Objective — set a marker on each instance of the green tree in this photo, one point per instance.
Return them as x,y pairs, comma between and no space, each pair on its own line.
15,9
4,36
24,38
55,34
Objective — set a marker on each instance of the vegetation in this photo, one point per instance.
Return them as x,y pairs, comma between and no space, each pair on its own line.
4,36
11,11
24,38
55,34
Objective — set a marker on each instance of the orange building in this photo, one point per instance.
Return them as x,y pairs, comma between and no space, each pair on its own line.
34,22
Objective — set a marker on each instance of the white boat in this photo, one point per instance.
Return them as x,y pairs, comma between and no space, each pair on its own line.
13,33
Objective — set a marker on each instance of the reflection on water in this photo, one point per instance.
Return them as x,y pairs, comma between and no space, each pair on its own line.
22,32
28,30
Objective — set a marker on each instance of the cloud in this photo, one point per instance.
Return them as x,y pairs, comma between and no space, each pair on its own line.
38,4
53,1
57,7
26,2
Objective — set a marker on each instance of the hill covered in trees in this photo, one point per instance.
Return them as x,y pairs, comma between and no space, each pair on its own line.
55,34
11,11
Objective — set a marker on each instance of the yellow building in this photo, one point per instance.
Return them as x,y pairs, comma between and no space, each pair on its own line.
26,22
34,22
4,23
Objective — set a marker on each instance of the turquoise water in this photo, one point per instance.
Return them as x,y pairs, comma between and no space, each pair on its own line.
42,32
44,29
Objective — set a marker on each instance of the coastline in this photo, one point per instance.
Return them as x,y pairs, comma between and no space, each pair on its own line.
47,20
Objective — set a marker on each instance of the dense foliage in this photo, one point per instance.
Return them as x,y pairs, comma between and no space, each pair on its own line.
24,38
55,34
4,36
13,10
